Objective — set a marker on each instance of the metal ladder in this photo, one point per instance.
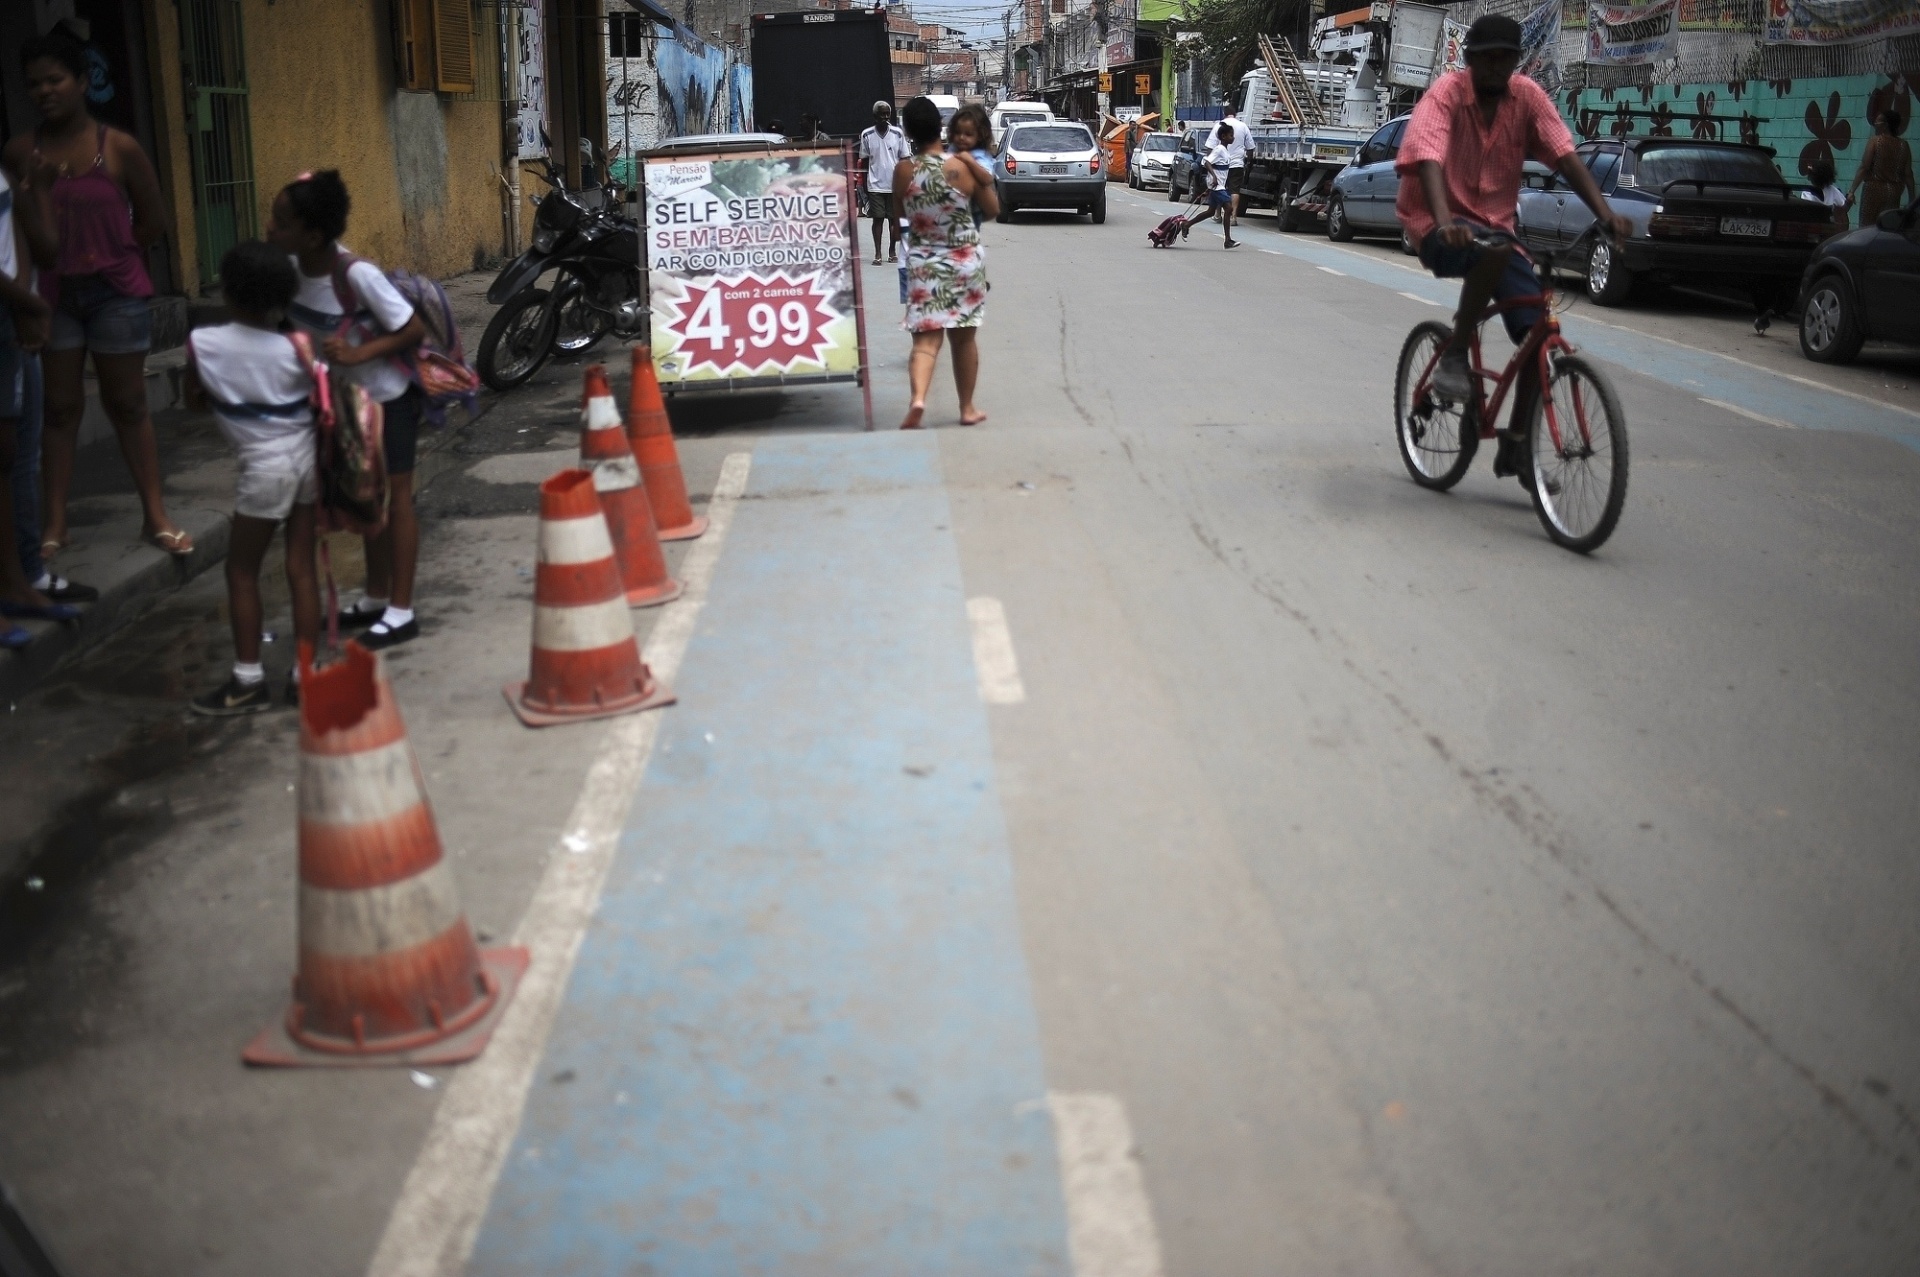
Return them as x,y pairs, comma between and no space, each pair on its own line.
1290,82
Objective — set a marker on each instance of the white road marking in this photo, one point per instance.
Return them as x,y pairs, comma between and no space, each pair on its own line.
1109,1222
1331,271
993,659
1748,413
433,1225
1416,297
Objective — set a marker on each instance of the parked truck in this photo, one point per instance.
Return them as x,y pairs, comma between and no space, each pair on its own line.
1309,118
833,65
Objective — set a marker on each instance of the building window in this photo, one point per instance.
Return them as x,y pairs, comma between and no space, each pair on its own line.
435,45
624,36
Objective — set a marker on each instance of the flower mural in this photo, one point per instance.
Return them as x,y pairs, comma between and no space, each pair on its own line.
1705,127
1662,125
1830,134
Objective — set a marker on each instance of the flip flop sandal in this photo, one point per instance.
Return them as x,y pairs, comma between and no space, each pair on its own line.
61,612
177,543
14,638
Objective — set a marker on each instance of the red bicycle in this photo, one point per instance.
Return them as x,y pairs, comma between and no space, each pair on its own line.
1575,433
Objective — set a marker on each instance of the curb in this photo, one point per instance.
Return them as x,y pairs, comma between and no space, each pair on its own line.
126,587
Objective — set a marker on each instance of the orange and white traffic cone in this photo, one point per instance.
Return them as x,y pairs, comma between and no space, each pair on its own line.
651,435
389,972
616,477
586,662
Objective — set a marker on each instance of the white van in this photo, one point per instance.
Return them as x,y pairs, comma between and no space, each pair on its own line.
948,105
1008,114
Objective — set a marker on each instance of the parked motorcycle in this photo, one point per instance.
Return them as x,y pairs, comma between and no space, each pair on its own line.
597,255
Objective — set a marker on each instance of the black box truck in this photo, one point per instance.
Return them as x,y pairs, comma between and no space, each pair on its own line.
833,65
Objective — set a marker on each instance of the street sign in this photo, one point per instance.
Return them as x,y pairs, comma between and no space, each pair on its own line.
1106,81
1143,84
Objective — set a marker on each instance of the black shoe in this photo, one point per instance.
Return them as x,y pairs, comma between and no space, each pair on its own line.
1233,243
380,635
356,616
1454,377
61,590
234,699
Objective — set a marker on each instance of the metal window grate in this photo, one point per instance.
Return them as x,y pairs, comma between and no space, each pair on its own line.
212,53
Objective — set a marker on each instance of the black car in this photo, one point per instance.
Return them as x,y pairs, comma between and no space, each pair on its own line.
1702,212
1187,174
1861,285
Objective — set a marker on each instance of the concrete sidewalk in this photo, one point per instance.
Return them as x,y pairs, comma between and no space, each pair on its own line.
105,550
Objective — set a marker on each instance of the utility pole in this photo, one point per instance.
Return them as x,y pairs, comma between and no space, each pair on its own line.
1105,99
1006,55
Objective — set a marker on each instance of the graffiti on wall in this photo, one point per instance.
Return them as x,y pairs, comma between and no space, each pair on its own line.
1804,121
530,80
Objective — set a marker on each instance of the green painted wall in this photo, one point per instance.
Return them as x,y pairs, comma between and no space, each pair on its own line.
1799,119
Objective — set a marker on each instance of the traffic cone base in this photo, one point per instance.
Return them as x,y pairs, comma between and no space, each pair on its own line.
531,714
283,1045
388,969
686,531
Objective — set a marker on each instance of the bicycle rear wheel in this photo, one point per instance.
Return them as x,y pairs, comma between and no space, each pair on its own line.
1579,484
1437,437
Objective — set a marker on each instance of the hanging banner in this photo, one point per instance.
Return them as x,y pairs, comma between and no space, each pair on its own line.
529,76
1633,34
1539,34
1453,47
750,267
1825,22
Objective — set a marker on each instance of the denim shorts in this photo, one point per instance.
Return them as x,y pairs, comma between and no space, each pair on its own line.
400,430
94,315
1517,280
13,372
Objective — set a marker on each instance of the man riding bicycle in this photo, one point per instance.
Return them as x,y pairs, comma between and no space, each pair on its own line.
1460,168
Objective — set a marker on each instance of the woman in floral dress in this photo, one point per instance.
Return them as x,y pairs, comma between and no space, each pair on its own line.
946,268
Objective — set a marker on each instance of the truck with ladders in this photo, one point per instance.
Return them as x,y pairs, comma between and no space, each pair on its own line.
1309,118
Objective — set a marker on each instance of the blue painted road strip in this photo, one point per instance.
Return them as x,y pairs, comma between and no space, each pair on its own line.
800,1037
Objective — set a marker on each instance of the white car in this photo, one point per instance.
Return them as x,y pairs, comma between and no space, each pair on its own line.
1151,161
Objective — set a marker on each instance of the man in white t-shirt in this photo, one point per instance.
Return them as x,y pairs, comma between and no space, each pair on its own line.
1239,144
881,148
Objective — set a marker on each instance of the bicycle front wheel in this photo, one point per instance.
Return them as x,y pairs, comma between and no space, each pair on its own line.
1437,436
1578,447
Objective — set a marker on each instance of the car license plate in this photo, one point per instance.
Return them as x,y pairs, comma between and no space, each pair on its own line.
1758,227
1047,169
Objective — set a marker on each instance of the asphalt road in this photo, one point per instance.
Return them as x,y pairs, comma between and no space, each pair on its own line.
1362,883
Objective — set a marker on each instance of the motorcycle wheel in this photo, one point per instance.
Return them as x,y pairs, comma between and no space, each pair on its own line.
580,327
517,340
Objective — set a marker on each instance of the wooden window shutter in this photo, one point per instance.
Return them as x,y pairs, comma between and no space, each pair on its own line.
452,45
413,44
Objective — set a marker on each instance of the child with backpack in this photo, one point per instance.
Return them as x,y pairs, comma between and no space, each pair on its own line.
259,383
368,332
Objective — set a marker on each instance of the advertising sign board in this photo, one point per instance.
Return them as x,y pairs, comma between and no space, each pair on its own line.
752,269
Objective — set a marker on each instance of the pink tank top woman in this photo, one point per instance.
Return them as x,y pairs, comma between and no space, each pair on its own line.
96,230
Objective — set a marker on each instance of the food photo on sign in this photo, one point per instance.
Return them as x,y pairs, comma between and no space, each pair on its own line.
750,264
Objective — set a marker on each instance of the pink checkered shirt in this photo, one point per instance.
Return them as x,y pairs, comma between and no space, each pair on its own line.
1480,165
